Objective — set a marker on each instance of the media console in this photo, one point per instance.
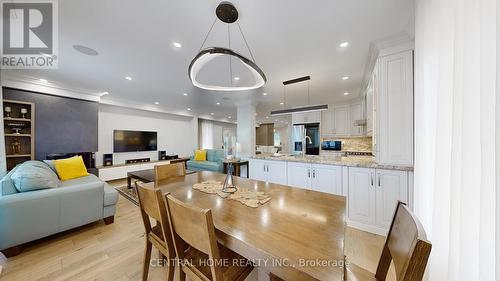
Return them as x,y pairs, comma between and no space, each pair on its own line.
119,171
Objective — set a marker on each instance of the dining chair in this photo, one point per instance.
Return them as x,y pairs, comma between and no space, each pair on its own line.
163,172
406,246
152,205
201,257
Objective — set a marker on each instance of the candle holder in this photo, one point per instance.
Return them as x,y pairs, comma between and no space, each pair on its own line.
229,186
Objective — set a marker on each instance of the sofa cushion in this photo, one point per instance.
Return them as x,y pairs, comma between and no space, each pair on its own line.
70,168
200,155
34,175
211,155
90,179
50,163
7,186
203,165
110,195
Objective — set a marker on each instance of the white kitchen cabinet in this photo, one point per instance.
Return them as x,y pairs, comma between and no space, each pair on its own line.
276,171
391,187
394,107
361,195
299,174
373,195
258,170
327,122
306,117
317,177
355,113
268,170
341,121
370,109
327,178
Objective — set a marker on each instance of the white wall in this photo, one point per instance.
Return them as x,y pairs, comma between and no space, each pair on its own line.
176,134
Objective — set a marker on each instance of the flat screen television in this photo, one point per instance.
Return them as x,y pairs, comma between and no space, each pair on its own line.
133,141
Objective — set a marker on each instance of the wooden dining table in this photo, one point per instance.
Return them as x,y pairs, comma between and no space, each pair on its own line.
297,235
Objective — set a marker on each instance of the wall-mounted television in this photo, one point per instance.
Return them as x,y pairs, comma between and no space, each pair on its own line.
133,141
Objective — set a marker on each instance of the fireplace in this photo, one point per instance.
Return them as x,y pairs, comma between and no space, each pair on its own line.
88,159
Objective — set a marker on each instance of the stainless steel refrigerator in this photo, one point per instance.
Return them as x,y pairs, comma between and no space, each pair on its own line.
308,135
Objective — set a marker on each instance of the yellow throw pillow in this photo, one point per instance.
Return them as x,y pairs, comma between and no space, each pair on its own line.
70,168
200,155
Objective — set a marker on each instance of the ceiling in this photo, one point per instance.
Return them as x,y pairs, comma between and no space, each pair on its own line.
288,38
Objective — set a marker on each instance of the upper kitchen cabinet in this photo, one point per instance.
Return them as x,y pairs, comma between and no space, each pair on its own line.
370,103
341,121
394,108
306,118
356,121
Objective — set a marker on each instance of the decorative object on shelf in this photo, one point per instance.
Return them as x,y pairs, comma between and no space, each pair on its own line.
300,109
227,13
16,147
7,110
24,111
16,127
229,186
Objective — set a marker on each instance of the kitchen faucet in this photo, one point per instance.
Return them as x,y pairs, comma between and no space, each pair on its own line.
304,144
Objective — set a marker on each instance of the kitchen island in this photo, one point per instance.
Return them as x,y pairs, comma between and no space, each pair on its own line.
372,189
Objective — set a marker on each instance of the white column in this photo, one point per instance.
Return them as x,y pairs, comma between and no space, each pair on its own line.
245,133
195,130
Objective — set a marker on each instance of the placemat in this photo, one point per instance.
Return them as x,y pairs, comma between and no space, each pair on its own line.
243,195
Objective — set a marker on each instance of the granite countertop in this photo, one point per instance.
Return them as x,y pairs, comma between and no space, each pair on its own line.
350,161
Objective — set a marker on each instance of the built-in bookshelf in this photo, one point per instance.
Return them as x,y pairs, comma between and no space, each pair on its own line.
19,131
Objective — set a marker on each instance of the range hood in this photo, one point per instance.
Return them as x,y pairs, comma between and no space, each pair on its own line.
300,109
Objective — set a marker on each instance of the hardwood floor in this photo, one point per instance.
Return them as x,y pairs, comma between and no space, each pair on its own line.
115,252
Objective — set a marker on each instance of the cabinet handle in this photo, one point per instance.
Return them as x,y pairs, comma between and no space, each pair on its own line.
264,168
308,173
268,168
371,178
378,181
314,173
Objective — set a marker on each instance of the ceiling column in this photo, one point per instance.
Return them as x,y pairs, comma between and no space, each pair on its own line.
246,128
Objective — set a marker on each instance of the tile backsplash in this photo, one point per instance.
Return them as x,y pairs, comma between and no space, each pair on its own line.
361,144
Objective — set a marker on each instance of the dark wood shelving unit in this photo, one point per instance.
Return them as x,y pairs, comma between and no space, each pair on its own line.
19,132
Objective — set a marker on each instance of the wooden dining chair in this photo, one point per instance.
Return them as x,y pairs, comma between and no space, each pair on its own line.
163,172
406,246
201,257
152,205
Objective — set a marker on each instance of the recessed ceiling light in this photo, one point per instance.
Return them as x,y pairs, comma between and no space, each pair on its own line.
267,117
104,94
185,94
275,120
212,113
157,103
236,78
189,108
229,117
344,44
346,94
44,80
128,78
177,45
282,103
264,94
345,78
217,103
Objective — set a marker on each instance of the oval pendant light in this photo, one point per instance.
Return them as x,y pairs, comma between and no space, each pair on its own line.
227,13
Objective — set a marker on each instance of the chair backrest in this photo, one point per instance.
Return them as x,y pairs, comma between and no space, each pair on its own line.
406,245
195,227
152,204
163,172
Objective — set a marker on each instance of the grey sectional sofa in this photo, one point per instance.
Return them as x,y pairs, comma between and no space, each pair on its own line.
28,216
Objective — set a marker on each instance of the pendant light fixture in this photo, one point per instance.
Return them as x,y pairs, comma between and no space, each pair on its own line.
227,13
301,109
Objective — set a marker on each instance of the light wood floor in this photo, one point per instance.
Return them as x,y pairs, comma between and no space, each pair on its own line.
115,252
